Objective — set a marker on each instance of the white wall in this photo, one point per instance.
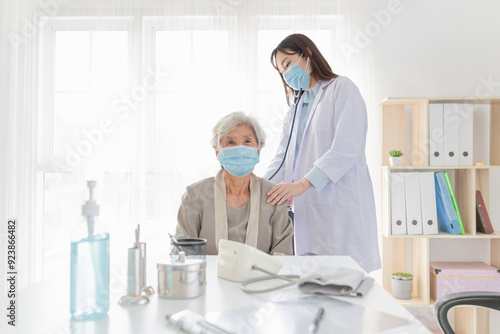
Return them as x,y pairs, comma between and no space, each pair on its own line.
438,48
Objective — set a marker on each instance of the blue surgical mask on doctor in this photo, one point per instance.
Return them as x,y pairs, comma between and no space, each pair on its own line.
239,160
296,77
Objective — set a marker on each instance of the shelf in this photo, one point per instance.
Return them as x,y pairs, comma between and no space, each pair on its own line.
465,99
444,235
405,127
494,235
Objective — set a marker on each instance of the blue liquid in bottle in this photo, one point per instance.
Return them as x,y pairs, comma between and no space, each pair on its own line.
90,277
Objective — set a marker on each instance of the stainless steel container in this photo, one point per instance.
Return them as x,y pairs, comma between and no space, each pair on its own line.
182,277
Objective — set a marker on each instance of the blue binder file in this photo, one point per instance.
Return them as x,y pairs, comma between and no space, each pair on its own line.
447,217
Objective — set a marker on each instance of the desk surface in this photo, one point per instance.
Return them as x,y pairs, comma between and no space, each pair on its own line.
44,307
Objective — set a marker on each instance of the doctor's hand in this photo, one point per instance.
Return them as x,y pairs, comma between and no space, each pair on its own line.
287,191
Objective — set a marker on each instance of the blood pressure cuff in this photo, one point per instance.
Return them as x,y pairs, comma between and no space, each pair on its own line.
337,282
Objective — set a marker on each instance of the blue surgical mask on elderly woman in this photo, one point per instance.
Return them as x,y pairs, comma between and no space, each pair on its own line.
296,77
239,160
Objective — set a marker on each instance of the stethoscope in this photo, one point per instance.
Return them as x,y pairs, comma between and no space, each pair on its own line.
296,103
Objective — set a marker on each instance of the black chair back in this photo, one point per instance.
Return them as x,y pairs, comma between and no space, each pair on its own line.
475,298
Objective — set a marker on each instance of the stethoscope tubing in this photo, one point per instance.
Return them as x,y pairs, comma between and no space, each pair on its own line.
297,100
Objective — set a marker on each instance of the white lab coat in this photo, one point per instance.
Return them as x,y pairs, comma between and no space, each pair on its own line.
340,219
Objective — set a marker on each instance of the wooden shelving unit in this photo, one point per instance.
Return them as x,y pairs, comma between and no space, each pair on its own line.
405,127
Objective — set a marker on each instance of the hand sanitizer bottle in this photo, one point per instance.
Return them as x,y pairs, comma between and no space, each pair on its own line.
89,265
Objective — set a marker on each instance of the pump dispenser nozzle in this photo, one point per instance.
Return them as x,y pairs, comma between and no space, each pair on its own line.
90,209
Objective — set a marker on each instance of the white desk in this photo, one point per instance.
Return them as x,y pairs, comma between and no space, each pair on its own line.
44,307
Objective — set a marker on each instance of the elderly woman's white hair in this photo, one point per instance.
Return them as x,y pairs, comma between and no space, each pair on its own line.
229,122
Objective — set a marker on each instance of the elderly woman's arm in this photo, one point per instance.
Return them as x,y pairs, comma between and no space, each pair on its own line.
282,228
188,218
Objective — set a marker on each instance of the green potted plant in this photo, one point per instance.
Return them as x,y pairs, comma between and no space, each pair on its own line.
401,284
395,157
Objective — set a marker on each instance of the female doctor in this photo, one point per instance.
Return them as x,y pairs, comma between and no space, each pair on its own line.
323,147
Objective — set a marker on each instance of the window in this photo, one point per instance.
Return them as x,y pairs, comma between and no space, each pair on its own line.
131,103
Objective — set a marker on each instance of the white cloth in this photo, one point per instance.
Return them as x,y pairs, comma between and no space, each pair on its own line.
340,219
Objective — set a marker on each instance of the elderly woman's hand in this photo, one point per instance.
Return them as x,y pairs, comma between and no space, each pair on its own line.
287,191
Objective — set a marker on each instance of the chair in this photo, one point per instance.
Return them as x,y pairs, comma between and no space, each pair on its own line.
474,298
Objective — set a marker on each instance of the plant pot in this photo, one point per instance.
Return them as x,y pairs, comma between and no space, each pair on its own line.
395,161
401,289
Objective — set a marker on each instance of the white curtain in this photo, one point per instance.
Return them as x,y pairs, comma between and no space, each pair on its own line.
126,93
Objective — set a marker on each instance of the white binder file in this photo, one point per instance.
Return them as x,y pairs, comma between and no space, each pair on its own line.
398,206
451,122
428,202
465,130
436,134
413,206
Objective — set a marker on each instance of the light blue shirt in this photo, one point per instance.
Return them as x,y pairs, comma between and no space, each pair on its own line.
307,103
316,176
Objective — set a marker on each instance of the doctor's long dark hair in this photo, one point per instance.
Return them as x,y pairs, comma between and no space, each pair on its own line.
298,43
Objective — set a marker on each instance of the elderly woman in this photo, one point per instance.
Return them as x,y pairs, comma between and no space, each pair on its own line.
232,205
